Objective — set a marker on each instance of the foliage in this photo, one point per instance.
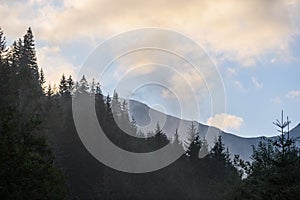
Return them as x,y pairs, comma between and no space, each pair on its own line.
275,169
26,160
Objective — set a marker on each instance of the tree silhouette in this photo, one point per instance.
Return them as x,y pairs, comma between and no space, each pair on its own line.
26,160
274,171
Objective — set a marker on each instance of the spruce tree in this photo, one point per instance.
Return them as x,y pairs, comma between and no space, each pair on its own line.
83,86
274,172
26,161
191,135
70,86
2,45
63,85
116,106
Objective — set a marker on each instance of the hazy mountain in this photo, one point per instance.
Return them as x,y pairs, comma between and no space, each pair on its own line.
147,119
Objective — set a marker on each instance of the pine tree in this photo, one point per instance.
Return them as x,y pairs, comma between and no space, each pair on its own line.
125,114
218,149
275,169
4,68
116,107
26,80
204,151
49,91
133,127
2,45
176,140
99,100
160,138
108,107
63,85
98,89
83,86
29,54
192,134
5,73
14,56
177,144
221,171
70,85
93,86
26,162
42,79
194,148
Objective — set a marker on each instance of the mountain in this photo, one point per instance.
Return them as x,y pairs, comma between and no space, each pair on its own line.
147,118
295,132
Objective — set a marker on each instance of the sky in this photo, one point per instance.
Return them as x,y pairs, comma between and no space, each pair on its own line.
253,47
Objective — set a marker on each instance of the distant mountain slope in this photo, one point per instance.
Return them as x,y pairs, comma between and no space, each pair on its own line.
147,118
295,132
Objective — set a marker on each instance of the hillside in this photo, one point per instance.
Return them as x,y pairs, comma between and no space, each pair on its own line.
147,118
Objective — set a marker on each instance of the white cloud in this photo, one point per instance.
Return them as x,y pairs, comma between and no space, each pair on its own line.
242,30
226,122
293,94
53,64
256,83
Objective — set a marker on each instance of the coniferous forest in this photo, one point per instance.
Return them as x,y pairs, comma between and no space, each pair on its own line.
42,157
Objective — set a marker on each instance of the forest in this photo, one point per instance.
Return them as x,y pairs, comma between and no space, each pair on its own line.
42,156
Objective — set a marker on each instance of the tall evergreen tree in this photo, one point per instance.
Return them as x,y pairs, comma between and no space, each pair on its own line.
132,125
29,54
160,138
26,162
125,121
116,107
274,172
63,85
49,91
93,86
108,107
204,150
192,134
70,85
193,149
42,77
2,45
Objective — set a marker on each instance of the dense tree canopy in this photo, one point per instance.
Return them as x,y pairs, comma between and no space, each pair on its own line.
26,160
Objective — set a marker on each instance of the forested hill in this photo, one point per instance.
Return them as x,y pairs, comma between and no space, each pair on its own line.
147,118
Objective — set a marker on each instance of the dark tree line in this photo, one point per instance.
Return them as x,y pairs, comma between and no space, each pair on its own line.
275,169
42,156
26,160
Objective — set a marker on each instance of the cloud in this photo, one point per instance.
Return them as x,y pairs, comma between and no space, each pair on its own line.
236,30
256,83
53,64
293,94
226,122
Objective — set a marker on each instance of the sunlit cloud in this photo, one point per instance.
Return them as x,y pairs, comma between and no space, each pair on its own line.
242,31
226,122
53,63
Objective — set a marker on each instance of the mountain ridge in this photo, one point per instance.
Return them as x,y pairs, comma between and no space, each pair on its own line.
146,118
